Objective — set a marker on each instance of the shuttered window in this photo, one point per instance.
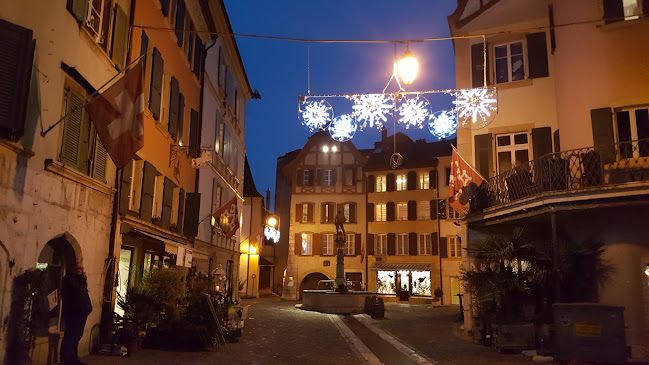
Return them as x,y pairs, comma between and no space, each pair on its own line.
381,212
167,203
381,247
403,245
381,185
509,62
328,244
174,101
425,245
155,92
99,160
424,181
195,136
402,211
148,189
192,206
179,25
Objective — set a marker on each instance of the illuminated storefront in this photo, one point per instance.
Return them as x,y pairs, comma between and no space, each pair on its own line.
403,278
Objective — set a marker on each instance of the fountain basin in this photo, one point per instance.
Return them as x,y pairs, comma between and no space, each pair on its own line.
329,301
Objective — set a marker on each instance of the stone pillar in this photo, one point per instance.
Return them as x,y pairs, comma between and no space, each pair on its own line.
340,264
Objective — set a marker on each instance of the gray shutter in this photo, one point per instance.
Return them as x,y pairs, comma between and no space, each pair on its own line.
434,244
125,188
443,247
392,247
412,180
99,160
477,65
311,177
192,206
390,182
148,186
371,183
167,202
484,154
369,243
180,22
541,141
319,173
613,11
412,244
390,211
120,37
194,135
181,210
79,9
537,55
165,7
157,68
181,116
173,108
557,141
412,210
16,57
603,137
370,212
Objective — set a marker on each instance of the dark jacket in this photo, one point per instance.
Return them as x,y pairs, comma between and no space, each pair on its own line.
74,293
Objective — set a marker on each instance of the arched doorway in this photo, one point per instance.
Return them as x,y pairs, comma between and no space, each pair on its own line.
310,282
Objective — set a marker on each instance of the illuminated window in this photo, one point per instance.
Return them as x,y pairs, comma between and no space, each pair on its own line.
307,244
423,211
424,244
403,246
402,182
454,246
510,64
380,184
424,181
350,244
380,212
328,244
381,244
402,211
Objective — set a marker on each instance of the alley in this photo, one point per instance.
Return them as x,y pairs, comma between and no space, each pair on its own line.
278,333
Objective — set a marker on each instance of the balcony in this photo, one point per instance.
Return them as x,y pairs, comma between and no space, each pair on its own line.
582,171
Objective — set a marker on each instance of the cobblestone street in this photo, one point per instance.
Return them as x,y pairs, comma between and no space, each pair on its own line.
277,333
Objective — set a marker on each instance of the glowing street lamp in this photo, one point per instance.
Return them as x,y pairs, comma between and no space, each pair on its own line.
271,231
407,67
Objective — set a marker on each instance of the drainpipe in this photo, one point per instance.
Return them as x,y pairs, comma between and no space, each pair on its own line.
439,235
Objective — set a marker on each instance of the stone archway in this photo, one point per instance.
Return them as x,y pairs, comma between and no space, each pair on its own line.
310,282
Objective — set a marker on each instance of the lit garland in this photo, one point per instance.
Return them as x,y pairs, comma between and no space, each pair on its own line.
414,112
342,128
316,114
476,104
442,124
370,109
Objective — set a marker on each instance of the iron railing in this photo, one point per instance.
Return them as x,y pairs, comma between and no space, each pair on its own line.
576,169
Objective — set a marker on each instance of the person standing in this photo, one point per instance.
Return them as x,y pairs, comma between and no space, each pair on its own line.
76,308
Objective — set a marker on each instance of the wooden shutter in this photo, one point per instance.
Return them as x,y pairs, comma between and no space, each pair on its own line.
537,55
181,116
79,9
173,108
357,244
319,177
323,211
477,65
299,177
298,213
412,180
167,202
412,210
99,160
390,182
16,57
434,245
198,56
371,183
432,179
333,177
180,22
120,37
613,11
483,154
370,244
148,185
352,213
194,135
157,68
370,212
74,149
433,209
181,210
311,177
541,141
309,213
390,211
603,137
298,244
412,244
144,45
392,247
125,188
557,141
192,206
443,247
165,7
317,244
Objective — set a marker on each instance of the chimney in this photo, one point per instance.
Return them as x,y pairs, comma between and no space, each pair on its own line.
384,133
268,200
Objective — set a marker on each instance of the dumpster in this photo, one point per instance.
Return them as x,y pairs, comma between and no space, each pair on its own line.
589,332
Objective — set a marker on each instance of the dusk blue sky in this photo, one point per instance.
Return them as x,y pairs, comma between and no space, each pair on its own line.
278,69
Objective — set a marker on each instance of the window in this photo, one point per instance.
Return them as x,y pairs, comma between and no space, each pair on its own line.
216,197
403,244
380,184
423,211
305,213
424,244
512,150
381,244
328,212
617,10
402,211
380,212
175,196
136,185
346,212
441,209
158,190
454,246
350,244
633,125
327,177
402,182
451,213
305,178
328,244
424,181
349,177
509,62
307,244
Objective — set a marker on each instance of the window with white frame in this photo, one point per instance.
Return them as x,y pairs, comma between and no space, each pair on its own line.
423,211
425,247
327,177
632,132
512,150
424,181
451,213
348,177
402,211
350,244
380,184
380,214
305,212
454,246
306,244
305,177
381,243
509,62
402,182
328,244
403,246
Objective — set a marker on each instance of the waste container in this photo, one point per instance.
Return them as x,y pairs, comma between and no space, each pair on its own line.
589,332
404,295
378,308
369,301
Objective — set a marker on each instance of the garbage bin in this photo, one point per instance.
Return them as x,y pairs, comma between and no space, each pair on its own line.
378,308
404,295
369,302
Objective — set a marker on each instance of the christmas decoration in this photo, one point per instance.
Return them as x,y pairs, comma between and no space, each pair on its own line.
413,112
342,128
442,124
315,114
476,105
371,109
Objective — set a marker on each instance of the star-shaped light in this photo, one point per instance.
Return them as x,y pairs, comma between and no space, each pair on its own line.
442,124
342,128
315,114
414,112
371,109
476,104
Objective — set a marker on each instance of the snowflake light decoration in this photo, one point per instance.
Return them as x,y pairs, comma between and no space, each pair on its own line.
371,109
342,128
414,112
315,114
475,104
442,124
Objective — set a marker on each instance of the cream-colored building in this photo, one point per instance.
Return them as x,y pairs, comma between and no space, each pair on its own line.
569,142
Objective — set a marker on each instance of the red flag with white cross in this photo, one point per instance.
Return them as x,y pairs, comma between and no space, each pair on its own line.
463,183
227,217
117,115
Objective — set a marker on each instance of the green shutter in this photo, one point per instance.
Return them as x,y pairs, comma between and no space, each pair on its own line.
125,188
192,206
541,141
603,137
412,210
120,34
390,182
432,179
181,116
144,44
433,209
173,108
99,160
483,154
79,9
148,187
357,244
390,211
157,68
74,149
167,202
537,55
412,180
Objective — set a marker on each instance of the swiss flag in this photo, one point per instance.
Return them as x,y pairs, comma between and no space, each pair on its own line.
117,115
463,183
227,217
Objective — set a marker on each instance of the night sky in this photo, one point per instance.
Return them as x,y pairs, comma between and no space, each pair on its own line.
278,69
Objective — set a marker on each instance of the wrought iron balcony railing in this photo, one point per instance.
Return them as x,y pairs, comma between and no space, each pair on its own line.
577,169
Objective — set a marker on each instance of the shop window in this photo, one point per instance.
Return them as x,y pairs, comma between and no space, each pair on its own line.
386,282
421,282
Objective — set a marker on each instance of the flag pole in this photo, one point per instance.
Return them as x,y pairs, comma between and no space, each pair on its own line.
95,93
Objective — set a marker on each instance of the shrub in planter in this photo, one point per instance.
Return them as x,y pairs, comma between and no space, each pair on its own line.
438,294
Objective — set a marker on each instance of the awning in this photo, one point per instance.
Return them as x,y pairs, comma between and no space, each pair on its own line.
171,247
395,266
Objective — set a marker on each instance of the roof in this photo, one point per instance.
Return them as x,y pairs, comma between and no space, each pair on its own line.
249,188
415,154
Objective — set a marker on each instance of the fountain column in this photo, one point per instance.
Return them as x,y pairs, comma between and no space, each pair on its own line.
341,286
